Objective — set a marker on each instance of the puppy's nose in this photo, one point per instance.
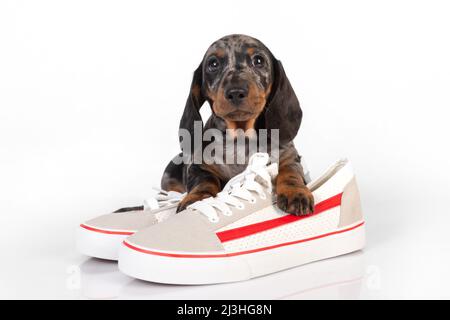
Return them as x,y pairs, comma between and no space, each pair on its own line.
236,95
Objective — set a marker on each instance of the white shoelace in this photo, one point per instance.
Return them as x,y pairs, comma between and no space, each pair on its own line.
240,188
162,198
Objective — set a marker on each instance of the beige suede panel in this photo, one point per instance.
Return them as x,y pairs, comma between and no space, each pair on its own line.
351,210
186,231
126,221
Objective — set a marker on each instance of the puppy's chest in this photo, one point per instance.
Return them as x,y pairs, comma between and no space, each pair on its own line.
228,171
234,160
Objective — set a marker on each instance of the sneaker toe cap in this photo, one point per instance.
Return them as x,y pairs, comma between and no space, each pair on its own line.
129,221
183,233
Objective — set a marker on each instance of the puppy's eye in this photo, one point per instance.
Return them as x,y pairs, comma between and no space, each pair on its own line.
213,64
258,61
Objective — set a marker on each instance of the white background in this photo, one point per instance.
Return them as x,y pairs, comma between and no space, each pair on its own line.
91,93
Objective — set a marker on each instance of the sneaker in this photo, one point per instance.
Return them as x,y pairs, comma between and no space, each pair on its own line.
101,237
241,234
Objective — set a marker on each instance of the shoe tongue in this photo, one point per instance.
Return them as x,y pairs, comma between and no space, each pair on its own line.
273,170
151,204
261,160
258,160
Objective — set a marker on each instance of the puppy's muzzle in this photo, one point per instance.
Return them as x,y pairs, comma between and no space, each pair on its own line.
236,95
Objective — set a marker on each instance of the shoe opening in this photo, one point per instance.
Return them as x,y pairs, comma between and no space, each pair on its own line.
317,183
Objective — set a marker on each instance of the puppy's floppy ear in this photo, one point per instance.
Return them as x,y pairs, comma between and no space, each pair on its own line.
194,102
283,110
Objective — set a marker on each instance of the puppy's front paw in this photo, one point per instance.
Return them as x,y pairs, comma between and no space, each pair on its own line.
295,200
190,198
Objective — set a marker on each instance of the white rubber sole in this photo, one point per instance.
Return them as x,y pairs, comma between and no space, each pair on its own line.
99,245
207,270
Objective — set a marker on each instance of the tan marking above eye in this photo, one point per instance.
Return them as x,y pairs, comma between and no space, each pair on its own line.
250,51
220,53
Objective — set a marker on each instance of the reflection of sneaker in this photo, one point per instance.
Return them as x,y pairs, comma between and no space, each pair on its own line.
101,237
100,279
240,234
336,278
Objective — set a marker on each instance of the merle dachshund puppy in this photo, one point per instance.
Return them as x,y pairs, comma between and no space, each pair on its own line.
246,88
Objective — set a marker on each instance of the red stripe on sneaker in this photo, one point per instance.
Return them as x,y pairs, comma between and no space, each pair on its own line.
226,255
250,229
123,233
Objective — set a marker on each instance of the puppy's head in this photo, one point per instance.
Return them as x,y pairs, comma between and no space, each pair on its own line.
238,74
245,85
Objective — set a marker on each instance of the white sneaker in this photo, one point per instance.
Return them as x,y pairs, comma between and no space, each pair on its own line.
240,234
101,237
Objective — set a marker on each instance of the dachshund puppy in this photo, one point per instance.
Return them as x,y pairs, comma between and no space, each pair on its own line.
246,88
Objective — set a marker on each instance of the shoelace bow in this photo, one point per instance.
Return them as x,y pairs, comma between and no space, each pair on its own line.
162,199
256,178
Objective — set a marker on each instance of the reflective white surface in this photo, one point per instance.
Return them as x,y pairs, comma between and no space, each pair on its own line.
91,94
406,257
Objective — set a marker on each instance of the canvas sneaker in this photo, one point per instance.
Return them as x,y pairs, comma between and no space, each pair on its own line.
101,237
241,234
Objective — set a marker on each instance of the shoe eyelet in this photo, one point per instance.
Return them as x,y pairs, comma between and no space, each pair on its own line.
240,207
263,196
213,220
252,201
228,213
